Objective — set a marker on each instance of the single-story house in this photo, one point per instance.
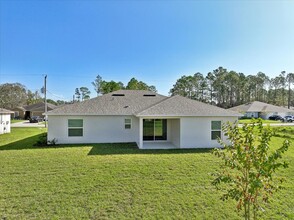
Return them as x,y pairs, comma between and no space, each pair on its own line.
151,120
4,120
263,110
18,112
37,109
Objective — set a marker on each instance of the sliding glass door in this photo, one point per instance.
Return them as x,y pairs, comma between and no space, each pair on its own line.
154,129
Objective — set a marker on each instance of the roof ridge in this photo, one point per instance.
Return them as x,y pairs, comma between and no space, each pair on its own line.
167,98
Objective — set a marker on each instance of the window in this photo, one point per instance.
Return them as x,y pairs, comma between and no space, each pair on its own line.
128,123
154,129
216,130
75,127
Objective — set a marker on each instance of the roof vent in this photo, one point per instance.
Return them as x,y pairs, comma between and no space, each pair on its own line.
126,106
149,95
118,94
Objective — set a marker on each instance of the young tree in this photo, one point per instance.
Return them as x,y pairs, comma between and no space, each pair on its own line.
249,166
78,94
85,92
97,84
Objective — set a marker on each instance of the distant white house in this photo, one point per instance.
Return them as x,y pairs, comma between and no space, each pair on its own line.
5,120
151,120
263,110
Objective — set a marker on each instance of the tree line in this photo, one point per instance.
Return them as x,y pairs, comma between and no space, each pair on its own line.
219,87
230,88
14,95
103,87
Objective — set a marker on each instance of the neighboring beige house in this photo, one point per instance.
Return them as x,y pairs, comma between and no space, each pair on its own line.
18,113
151,120
37,109
263,110
4,120
29,111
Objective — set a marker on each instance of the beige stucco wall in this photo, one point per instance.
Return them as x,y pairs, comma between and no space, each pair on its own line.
97,129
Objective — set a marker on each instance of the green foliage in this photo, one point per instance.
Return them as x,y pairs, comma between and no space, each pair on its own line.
82,93
12,95
85,93
248,169
191,86
97,84
33,97
111,86
42,140
134,84
107,87
230,88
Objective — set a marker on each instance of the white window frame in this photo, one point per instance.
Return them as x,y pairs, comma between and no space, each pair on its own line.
128,125
72,128
218,130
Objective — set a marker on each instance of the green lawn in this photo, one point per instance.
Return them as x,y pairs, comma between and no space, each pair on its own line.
243,121
16,121
112,181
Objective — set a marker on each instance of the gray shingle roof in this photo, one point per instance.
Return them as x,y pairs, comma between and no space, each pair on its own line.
141,103
112,104
257,106
181,106
39,107
5,111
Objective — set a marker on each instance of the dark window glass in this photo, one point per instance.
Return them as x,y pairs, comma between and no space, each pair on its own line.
154,129
75,123
75,132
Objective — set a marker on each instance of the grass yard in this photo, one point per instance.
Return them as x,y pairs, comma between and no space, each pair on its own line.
112,181
243,121
16,121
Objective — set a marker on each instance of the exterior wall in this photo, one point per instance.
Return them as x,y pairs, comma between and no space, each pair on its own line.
196,131
18,113
251,114
96,129
175,132
4,123
40,114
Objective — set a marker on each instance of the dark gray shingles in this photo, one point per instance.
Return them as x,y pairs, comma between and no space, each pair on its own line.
180,106
40,106
257,106
133,101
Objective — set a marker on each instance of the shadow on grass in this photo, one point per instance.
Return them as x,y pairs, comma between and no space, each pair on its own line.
97,149
26,143
132,148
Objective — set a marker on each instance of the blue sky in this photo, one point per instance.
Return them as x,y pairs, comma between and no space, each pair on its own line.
153,41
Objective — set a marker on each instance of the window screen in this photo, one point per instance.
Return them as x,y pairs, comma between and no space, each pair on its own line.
75,127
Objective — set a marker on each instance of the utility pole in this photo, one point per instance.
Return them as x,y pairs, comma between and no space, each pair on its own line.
45,91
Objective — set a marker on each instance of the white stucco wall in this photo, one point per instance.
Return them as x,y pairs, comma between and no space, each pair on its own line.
175,132
97,129
4,123
196,131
